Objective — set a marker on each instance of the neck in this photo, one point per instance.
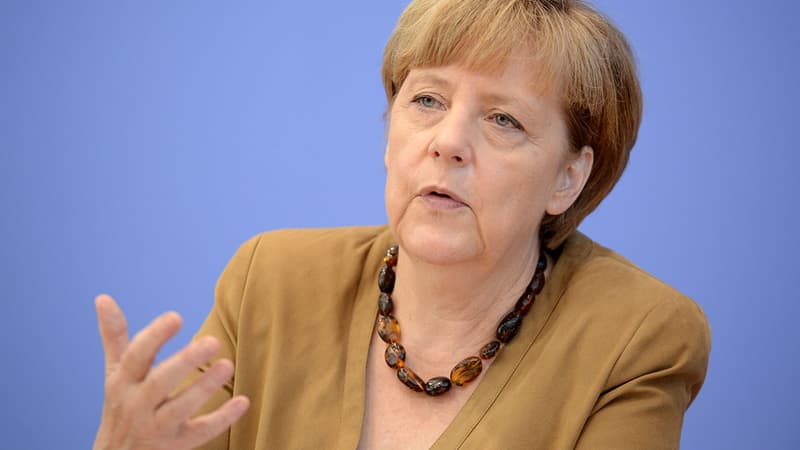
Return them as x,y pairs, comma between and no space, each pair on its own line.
449,312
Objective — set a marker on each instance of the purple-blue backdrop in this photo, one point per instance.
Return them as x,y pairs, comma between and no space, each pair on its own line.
142,142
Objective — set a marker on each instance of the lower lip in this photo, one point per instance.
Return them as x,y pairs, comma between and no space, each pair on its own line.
442,203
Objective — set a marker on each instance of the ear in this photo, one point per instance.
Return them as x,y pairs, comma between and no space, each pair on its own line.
571,180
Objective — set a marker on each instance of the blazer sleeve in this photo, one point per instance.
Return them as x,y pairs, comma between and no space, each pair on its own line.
652,383
222,323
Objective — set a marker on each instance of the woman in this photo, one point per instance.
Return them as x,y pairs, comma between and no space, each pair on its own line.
508,122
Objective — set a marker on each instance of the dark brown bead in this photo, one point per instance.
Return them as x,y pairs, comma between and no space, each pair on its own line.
541,264
437,386
489,350
386,279
410,379
525,302
385,305
395,355
466,371
388,328
537,283
509,327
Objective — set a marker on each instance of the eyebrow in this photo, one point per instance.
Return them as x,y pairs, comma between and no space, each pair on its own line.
428,77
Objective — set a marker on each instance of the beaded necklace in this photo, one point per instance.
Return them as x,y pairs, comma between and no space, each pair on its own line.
388,329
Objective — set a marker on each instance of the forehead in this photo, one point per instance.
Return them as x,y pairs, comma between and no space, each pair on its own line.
529,62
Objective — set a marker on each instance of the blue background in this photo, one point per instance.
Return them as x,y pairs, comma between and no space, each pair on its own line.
142,141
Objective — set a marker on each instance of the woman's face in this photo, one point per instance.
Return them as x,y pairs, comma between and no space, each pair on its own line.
474,161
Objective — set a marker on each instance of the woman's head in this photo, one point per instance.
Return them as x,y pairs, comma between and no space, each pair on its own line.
578,55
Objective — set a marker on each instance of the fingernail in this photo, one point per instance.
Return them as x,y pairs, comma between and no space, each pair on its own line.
172,316
100,299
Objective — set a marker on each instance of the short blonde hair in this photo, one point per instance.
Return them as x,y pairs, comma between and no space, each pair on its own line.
580,52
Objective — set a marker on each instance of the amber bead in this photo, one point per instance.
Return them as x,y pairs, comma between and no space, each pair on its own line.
509,327
525,302
390,260
437,386
388,328
489,350
395,355
537,283
385,305
410,379
466,371
386,279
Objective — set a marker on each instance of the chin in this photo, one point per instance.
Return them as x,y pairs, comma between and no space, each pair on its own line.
437,244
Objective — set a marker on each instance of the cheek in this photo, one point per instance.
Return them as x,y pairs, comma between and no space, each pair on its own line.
393,145
402,155
523,197
396,191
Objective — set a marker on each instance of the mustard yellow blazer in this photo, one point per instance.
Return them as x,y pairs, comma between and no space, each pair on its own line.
608,358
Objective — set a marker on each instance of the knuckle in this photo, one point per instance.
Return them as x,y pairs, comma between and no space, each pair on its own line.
187,356
169,415
116,389
128,409
163,428
208,384
112,385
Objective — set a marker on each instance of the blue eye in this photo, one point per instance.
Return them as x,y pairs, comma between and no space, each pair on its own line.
426,101
506,121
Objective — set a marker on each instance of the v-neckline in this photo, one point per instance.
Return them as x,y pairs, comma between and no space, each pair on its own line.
493,380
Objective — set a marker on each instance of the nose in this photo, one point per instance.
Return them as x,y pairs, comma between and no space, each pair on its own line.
453,138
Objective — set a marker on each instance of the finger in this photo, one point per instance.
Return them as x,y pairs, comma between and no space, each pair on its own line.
140,354
168,375
113,330
202,429
188,402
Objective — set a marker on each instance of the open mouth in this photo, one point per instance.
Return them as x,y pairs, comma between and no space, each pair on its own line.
442,199
439,194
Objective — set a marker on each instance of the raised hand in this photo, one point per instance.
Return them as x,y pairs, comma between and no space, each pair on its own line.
141,410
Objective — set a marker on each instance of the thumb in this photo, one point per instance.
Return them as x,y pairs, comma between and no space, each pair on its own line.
113,330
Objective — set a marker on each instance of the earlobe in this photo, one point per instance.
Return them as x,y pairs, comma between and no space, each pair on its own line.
571,180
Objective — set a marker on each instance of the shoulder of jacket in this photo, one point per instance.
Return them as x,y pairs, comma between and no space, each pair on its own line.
619,282
293,244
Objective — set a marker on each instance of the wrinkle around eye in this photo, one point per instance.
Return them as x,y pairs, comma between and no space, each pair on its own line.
510,137
419,98
513,124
